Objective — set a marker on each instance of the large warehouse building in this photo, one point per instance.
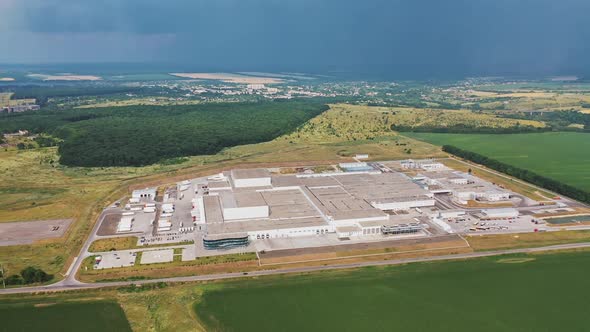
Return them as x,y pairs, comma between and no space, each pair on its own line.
256,205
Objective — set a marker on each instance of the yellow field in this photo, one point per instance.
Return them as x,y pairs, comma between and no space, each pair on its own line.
5,100
534,100
525,240
354,122
157,101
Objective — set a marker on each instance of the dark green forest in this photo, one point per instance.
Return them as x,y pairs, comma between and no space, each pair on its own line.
143,135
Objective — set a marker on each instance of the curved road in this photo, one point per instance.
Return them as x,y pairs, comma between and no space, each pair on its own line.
76,285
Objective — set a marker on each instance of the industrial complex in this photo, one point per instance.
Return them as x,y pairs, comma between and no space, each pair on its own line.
261,210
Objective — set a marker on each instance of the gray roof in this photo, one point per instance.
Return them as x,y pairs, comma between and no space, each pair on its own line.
253,173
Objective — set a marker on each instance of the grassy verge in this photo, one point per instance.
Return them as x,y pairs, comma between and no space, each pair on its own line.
176,268
114,243
526,240
126,243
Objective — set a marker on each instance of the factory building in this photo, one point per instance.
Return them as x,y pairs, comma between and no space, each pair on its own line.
125,224
261,206
462,186
356,167
244,178
212,242
427,165
149,193
499,214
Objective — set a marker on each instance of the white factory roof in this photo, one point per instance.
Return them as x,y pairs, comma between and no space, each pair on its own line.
254,173
500,211
145,191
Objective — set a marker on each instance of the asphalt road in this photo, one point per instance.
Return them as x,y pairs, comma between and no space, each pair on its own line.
76,285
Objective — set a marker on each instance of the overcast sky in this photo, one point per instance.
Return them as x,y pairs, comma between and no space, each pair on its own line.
427,36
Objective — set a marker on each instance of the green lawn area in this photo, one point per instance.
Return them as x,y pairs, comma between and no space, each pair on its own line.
62,317
507,293
563,156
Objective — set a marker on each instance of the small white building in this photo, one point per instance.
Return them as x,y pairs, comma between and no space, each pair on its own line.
362,156
125,224
504,213
244,178
496,195
448,214
149,193
432,166
167,208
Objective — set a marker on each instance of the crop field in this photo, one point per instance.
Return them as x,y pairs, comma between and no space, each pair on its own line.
562,156
492,294
439,296
81,316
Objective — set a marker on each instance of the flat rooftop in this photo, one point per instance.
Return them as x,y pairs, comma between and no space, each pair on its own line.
305,201
241,199
244,226
213,212
253,173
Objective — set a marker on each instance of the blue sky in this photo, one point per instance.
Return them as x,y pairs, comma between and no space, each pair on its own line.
426,36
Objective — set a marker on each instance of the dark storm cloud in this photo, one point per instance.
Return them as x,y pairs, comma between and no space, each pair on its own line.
421,36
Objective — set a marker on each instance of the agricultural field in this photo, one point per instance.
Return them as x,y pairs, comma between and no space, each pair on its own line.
6,99
65,316
563,156
412,297
417,297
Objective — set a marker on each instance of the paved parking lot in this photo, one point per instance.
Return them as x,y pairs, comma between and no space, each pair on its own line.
157,256
25,232
472,225
116,259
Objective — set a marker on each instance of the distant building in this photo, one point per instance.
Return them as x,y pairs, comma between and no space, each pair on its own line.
19,108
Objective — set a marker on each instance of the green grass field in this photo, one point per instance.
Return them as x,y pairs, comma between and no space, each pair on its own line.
84,316
507,293
563,156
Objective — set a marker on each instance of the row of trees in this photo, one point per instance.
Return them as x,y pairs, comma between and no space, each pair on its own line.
557,120
523,174
461,128
29,275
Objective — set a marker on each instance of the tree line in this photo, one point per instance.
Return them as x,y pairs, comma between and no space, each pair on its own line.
523,174
461,128
557,120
